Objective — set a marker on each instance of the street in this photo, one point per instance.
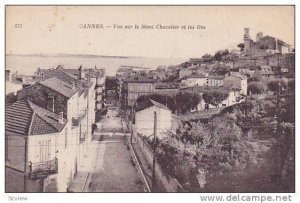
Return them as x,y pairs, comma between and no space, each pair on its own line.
113,168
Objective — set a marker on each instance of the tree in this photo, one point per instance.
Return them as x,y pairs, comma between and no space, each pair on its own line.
168,100
220,53
214,97
216,147
206,55
274,85
185,100
241,46
257,76
246,106
255,88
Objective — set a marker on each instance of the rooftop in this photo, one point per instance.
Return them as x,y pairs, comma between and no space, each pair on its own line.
139,79
203,89
148,103
67,75
238,77
25,118
60,86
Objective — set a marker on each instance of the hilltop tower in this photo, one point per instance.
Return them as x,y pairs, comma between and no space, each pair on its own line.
247,41
259,35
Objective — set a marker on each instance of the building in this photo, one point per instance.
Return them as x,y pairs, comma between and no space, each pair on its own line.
215,81
36,140
7,75
195,80
125,72
248,71
144,118
264,45
165,87
77,105
267,72
135,87
84,81
234,96
237,82
185,72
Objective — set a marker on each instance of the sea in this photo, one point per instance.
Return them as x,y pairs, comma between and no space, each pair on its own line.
27,65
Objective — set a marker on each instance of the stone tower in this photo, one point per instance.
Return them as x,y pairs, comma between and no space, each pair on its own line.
247,41
259,35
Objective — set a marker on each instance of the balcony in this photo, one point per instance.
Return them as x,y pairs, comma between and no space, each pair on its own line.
42,169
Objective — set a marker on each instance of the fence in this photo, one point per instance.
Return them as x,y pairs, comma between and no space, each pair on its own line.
170,183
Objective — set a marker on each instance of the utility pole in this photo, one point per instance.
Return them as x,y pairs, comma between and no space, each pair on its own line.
131,124
154,151
278,131
278,107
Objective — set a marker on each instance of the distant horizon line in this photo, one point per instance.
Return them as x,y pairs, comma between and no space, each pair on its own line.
87,55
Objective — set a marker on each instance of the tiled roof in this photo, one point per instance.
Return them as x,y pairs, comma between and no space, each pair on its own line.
148,103
139,79
203,89
59,86
216,77
49,117
238,77
18,118
67,75
194,76
25,118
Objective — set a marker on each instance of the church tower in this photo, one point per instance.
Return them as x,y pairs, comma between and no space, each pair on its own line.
247,41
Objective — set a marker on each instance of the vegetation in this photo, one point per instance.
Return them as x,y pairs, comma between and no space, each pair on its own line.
273,85
220,53
214,97
182,101
257,76
256,88
241,46
216,148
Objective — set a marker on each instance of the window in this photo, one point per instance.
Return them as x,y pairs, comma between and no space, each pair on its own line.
44,150
49,149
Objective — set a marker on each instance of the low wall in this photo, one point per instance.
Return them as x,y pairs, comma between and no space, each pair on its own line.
170,183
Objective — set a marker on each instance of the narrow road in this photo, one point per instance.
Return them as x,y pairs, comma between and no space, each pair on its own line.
114,169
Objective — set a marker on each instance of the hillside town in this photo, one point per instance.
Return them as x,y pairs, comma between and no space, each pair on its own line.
223,122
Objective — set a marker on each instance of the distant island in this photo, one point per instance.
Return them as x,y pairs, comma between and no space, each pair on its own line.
71,55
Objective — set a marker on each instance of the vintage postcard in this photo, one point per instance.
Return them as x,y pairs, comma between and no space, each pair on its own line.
150,99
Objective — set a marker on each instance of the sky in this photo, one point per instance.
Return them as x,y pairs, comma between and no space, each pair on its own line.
52,30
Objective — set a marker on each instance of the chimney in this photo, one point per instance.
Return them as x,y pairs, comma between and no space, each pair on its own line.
61,118
42,76
80,72
89,75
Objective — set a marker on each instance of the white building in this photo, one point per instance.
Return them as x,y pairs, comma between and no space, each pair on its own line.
144,118
215,81
35,143
195,80
236,82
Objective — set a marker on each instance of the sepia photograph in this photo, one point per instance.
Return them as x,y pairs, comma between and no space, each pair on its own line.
149,99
